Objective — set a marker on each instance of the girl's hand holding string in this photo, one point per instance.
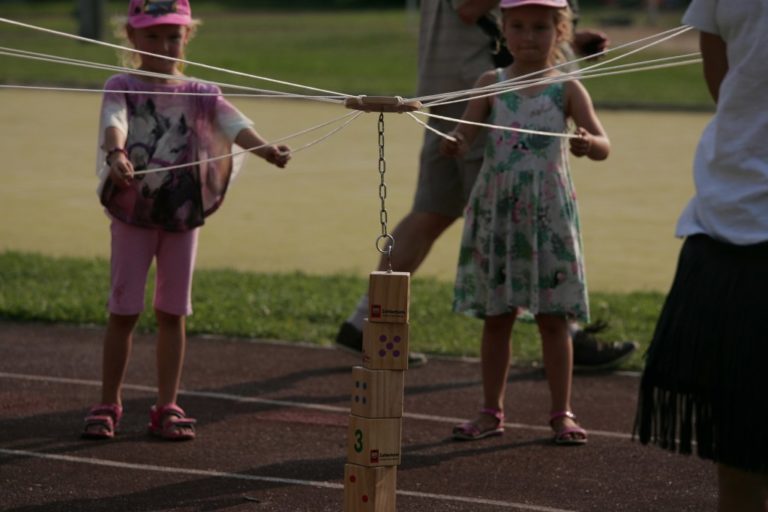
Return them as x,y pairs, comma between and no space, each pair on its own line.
120,168
456,147
276,154
581,145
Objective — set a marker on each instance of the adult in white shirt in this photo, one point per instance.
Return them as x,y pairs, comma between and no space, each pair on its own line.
704,377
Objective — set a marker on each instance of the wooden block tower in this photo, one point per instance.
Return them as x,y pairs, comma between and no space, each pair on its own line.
375,425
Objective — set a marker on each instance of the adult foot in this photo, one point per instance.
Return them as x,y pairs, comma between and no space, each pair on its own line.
592,354
350,338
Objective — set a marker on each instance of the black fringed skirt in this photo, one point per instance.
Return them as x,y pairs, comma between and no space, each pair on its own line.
705,383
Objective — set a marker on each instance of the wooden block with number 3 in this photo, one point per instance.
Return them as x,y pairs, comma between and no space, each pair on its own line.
369,489
374,442
389,296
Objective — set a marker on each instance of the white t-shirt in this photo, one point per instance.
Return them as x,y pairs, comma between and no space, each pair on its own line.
731,163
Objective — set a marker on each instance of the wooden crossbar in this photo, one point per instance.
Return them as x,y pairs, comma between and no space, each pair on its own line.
382,104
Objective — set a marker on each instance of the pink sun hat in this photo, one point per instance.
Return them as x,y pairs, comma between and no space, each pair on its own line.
147,13
509,4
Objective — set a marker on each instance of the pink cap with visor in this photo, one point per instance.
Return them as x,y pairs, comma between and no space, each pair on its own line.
147,13
509,4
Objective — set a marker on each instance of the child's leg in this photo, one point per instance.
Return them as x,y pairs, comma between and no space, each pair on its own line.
741,490
175,263
558,359
494,352
132,253
171,346
558,362
118,340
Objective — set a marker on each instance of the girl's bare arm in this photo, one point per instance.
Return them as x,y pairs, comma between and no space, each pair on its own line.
278,155
120,167
593,141
477,110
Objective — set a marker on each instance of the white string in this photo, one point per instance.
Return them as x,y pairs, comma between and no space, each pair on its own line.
630,68
12,52
181,61
168,93
612,71
675,31
354,115
605,71
467,93
497,127
431,128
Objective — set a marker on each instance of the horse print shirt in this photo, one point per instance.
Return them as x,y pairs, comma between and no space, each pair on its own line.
169,125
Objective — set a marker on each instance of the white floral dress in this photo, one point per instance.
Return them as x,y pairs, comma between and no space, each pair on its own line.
521,245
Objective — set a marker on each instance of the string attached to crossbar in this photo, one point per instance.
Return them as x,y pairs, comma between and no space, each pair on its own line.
180,61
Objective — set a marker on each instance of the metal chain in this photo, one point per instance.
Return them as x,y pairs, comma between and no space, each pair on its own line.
385,237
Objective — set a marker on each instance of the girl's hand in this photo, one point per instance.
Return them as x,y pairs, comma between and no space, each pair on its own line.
581,145
120,169
456,147
277,155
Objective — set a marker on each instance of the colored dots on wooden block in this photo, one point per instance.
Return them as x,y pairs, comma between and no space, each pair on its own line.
385,346
374,442
389,296
369,489
377,393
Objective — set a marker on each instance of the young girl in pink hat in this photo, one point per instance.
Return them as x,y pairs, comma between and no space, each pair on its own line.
521,246
151,119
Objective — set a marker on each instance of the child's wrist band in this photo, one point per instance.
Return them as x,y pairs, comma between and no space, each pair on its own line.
113,151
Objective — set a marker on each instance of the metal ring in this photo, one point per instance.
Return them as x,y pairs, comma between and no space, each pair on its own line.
388,248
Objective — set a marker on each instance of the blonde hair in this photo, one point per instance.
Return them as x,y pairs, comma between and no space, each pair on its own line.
563,19
132,60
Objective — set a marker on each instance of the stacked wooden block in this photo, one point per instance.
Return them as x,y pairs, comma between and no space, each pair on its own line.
375,425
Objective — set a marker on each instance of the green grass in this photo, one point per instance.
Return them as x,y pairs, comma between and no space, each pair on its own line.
356,52
290,307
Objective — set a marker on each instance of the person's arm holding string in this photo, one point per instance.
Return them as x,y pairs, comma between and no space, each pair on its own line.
275,154
477,110
120,166
593,141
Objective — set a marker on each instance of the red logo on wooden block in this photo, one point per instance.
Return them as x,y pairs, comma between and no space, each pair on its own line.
375,310
374,456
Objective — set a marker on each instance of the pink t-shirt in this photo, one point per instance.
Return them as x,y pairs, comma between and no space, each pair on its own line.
164,130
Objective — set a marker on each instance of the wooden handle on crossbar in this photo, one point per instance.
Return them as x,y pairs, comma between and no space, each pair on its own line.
382,104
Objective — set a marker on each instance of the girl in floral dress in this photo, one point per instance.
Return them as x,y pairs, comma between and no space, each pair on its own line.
521,246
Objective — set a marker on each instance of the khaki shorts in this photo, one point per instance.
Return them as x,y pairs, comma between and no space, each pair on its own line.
445,183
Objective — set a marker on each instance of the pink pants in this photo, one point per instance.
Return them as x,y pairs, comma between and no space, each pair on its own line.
133,249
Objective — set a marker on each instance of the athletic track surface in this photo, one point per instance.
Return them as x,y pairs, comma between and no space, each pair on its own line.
272,436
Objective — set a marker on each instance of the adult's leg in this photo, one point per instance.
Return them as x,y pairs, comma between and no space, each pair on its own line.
414,236
741,490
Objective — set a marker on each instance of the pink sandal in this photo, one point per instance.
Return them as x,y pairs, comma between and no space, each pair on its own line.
104,416
567,436
470,431
170,422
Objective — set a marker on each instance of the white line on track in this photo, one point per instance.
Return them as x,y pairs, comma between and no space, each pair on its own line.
285,403
282,403
270,479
